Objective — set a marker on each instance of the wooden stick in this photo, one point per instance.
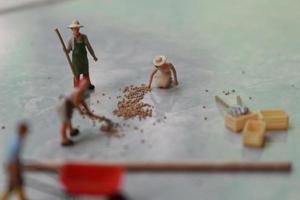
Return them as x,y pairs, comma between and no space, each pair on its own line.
239,101
65,50
222,102
176,166
209,166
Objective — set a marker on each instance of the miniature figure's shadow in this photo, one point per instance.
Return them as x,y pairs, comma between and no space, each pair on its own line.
231,136
163,102
87,135
120,196
88,94
221,109
277,136
251,153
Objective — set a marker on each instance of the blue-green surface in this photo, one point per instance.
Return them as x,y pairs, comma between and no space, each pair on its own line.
211,43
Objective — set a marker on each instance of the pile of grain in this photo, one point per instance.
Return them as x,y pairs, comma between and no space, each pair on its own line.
131,104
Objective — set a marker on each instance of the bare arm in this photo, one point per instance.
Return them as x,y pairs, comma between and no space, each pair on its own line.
151,77
89,47
69,46
174,73
89,113
86,108
80,110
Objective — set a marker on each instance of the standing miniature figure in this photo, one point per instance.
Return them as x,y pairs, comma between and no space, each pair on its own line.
166,70
13,164
65,111
78,44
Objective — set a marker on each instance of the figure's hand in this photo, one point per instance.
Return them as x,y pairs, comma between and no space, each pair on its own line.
81,112
176,82
102,118
95,59
148,86
90,114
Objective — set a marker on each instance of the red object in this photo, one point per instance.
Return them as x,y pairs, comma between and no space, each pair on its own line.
91,179
86,76
75,82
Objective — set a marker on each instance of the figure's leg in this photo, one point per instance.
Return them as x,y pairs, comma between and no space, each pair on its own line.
73,131
5,195
64,139
76,81
20,193
87,77
63,133
8,191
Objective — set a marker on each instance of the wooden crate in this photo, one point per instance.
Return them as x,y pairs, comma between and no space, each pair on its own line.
254,133
276,119
237,124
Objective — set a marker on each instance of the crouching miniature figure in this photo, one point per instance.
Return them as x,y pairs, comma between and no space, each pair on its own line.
65,110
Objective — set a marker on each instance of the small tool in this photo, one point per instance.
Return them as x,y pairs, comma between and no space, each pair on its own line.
235,111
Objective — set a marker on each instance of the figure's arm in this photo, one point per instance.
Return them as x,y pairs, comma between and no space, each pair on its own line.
80,110
69,46
86,109
151,77
89,113
89,47
78,104
174,73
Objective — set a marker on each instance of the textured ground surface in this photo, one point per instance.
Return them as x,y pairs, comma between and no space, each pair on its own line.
250,46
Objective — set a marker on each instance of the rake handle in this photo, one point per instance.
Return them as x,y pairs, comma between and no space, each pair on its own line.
179,166
65,49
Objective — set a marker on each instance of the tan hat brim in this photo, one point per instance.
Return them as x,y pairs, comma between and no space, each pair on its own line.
163,61
75,26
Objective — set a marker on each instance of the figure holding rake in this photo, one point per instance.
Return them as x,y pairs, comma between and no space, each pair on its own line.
78,43
76,101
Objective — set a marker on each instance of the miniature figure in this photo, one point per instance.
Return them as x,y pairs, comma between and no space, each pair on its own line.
66,107
78,44
13,164
166,70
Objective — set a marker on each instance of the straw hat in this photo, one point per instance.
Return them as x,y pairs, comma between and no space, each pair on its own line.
159,60
75,24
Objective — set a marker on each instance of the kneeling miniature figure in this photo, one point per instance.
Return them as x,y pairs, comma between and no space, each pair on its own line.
166,69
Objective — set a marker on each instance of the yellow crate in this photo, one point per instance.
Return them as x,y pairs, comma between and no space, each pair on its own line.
254,133
276,119
237,124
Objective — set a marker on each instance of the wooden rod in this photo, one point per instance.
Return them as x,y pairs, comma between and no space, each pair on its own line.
239,101
65,50
209,166
176,166
222,102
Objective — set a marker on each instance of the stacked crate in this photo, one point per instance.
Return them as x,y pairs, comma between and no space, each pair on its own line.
255,124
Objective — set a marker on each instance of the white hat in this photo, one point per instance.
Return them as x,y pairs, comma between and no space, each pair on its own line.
159,60
75,24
